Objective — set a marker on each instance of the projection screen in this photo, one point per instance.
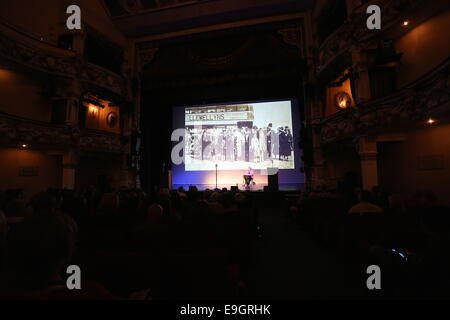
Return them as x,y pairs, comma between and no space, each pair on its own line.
238,136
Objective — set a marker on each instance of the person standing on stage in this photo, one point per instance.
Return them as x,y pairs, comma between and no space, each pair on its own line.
283,143
251,157
229,145
269,140
237,139
255,146
204,143
197,146
275,139
247,144
209,147
262,144
218,148
290,141
242,132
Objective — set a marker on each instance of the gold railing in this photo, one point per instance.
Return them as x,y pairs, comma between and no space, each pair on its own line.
15,131
22,49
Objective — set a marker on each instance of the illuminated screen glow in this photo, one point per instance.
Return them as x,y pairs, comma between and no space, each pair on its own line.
238,136
263,135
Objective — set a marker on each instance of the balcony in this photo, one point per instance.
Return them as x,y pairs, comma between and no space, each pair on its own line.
15,131
354,30
426,96
21,49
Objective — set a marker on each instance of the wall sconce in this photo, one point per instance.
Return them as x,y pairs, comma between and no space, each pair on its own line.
93,110
431,121
342,100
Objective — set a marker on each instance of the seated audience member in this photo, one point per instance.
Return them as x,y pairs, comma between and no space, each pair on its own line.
152,232
43,203
182,192
3,233
364,205
155,213
164,200
15,210
37,255
109,203
214,203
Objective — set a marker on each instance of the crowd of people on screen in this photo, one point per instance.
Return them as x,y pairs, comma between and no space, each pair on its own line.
233,143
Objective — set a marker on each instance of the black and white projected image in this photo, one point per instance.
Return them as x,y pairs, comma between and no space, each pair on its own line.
235,137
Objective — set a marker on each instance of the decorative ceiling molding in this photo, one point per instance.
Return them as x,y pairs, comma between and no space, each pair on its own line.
222,60
293,36
146,56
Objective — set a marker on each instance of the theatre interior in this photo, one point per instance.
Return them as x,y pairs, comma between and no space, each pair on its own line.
224,150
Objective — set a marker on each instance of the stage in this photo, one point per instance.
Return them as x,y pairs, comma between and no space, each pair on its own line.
256,187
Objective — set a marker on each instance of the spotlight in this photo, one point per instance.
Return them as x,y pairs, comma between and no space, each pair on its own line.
431,121
24,146
405,23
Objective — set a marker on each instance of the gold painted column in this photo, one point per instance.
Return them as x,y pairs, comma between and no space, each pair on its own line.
362,83
367,147
70,162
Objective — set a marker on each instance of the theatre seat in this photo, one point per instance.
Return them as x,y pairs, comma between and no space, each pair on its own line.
197,276
123,272
150,237
104,239
187,237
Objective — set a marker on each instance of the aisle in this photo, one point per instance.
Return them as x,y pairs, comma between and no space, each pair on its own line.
289,265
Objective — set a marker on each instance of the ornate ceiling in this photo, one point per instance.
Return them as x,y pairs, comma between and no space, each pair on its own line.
140,18
126,7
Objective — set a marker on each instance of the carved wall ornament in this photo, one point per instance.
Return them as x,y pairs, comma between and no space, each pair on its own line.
293,36
342,100
146,55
